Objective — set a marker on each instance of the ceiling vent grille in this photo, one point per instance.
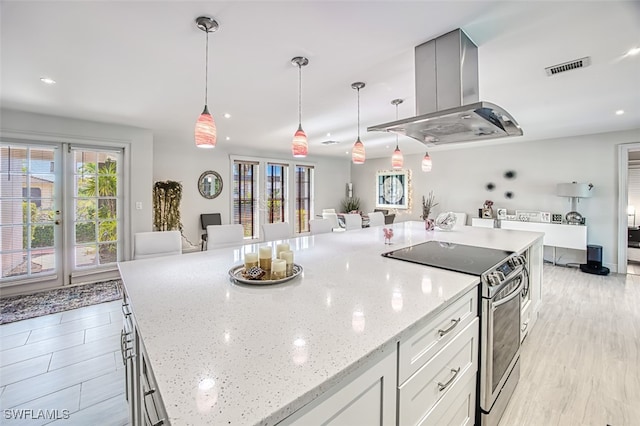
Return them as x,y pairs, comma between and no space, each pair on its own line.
330,142
568,66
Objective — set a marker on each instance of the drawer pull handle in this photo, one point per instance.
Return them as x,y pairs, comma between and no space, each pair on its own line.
146,410
455,322
525,326
443,386
126,311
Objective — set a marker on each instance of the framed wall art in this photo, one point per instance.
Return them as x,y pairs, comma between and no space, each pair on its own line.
392,189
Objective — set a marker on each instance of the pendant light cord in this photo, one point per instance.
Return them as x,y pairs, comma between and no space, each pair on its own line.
299,94
358,113
397,120
206,69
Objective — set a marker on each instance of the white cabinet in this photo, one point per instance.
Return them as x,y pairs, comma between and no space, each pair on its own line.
446,380
555,234
366,397
483,223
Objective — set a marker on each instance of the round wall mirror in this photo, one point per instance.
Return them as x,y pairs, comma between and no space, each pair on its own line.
210,184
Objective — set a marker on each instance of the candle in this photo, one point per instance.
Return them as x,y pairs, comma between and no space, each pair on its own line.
265,259
250,260
282,247
278,269
287,256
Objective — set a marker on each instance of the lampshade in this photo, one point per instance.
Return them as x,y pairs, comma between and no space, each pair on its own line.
426,163
574,189
357,153
299,145
205,133
397,160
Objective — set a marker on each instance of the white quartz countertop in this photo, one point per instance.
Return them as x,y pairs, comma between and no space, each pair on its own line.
229,354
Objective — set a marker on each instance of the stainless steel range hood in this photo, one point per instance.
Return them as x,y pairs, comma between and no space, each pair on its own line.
447,100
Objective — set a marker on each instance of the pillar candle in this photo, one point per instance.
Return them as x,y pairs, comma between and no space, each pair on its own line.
282,247
250,260
278,269
265,259
287,256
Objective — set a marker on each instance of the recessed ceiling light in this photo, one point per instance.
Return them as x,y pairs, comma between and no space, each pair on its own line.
47,80
620,112
328,134
228,138
227,115
633,51
387,146
346,152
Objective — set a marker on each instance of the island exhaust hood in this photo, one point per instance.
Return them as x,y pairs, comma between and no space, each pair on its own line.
447,99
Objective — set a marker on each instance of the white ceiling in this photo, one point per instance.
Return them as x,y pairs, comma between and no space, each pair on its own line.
142,64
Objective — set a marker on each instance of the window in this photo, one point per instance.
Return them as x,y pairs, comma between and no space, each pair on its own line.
304,187
275,192
245,201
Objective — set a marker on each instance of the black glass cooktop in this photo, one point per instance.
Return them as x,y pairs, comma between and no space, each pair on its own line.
454,257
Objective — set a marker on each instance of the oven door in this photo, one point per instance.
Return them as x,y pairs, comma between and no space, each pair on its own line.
500,339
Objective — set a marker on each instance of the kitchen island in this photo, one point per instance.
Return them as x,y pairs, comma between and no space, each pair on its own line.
216,352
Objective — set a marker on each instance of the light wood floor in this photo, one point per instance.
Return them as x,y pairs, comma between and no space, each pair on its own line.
581,362
65,361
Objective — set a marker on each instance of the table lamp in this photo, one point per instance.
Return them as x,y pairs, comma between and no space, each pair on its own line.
574,191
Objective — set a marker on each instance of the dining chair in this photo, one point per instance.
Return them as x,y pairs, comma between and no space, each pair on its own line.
389,218
328,211
376,218
276,231
156,244
224,235
207,219
352,221
320,226
333,218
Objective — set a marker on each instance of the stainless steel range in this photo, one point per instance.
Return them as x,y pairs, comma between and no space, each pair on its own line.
503,279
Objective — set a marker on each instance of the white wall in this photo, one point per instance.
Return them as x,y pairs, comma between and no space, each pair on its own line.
459,177
177,158
38,127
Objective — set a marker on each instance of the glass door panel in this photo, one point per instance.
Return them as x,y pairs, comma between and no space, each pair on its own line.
29,199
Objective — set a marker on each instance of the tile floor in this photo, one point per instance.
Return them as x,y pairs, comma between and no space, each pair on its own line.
65,361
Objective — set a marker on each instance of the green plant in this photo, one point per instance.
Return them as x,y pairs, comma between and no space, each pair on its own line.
427,204
350,204
166,206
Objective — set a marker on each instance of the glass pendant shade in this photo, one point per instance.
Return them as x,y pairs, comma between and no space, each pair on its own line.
299,145
357,153
206,133
426,163
397,160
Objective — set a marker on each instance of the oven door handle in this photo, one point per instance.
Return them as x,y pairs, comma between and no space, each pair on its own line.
508,298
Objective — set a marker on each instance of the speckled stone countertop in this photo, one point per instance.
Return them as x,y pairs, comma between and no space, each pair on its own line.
229,354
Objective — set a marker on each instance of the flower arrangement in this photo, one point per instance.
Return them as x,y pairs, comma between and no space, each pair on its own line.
488,204
427,204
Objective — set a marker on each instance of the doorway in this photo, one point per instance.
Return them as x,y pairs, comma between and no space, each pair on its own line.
628,197
61,211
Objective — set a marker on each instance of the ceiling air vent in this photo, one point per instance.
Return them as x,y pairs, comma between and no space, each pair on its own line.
329,142
568,66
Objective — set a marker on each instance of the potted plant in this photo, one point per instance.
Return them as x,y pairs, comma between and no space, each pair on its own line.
427,204
350,204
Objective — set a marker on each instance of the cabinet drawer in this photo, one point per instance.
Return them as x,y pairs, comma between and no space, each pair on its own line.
425,342
457,408
441,376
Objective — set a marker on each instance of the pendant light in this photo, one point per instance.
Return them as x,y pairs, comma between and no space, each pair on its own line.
299,146
205,133
397,160
357,153
426,163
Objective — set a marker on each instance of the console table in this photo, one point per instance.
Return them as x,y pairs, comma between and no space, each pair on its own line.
555,234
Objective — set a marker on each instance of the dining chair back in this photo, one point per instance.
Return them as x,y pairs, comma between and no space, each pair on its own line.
156,244
352,221
320,226
224,235
207,219
328,211
376,218
276,231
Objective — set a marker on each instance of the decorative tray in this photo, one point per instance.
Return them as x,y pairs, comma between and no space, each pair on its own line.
236,274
